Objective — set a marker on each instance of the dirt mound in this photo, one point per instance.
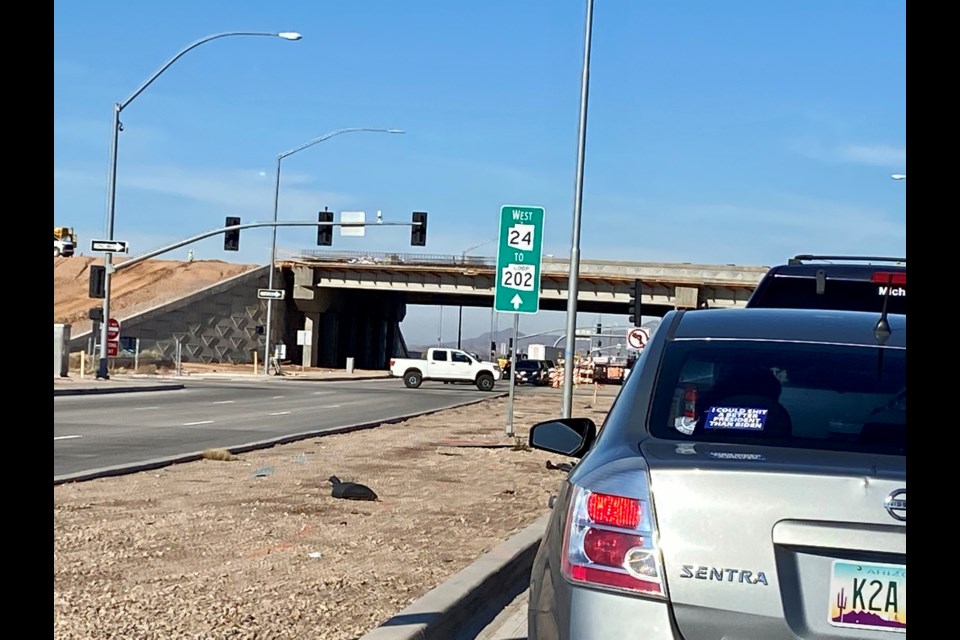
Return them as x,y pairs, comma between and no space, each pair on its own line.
146,285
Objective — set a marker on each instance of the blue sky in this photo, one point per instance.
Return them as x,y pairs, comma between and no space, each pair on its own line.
738,132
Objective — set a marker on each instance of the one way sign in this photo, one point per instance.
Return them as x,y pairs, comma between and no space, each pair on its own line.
270,294
110,246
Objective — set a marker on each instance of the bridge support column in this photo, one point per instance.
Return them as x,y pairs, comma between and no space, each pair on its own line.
311,324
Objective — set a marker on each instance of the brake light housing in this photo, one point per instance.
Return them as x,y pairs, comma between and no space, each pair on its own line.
610,542
884,277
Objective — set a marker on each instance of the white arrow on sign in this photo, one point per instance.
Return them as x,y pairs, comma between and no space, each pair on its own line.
516,301
111,246
270,294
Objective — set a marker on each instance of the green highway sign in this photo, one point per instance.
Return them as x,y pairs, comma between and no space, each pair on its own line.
517,281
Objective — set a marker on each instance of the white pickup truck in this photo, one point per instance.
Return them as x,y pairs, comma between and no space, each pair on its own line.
447,365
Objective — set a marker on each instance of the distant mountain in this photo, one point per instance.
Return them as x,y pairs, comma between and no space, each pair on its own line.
867,618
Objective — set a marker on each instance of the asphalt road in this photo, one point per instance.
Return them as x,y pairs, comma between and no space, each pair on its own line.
107,432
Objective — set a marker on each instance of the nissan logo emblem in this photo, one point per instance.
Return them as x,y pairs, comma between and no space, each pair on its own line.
896,505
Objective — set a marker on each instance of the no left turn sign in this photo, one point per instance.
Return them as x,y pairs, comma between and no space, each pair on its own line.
637,338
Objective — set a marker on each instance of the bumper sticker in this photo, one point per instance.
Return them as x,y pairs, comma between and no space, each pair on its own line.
736,418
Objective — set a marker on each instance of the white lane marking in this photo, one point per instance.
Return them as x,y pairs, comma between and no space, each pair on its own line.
279,413
322,393
192,424
65,437
224,402
277,397
145,408
330,406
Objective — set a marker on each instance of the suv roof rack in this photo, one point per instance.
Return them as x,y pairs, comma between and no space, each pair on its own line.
801,259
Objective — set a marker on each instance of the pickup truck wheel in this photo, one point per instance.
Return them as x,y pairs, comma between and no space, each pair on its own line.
485,382
413,379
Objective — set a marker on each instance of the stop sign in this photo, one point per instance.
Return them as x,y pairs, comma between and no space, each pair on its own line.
113,330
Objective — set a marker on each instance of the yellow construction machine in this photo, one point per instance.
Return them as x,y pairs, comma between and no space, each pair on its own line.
64,242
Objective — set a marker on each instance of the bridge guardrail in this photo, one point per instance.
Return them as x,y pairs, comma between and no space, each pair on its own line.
415,259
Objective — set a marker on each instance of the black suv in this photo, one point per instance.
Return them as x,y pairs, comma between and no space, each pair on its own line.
844,283
535,372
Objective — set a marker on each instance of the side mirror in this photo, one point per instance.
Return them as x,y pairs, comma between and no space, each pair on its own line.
568,436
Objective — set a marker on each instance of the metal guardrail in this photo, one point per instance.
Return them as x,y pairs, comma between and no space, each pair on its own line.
414,259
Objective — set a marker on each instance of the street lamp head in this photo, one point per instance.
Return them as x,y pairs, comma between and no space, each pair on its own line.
899,176
395,131
289,35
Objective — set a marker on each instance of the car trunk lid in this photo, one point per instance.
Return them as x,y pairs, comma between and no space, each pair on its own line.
773,543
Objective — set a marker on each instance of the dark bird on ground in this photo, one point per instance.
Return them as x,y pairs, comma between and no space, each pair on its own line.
351,490
563,466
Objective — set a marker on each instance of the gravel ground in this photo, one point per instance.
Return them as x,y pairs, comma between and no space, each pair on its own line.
256,548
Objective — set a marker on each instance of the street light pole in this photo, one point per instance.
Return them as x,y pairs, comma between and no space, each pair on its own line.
276,210
463,260
116,128
572,285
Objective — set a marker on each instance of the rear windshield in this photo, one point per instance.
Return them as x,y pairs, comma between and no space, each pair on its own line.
528,365
792,292
845,398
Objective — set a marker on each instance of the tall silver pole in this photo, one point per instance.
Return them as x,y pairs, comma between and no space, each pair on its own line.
273,267
513,376
276,201
112,178
102,372
572,286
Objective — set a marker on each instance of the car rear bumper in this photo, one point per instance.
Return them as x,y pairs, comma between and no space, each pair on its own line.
599,615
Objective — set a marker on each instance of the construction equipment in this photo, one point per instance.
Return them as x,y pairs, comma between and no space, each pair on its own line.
64,241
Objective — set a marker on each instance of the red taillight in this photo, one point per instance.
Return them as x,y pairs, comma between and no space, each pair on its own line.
392,362
613,510
619,580
609,548
883,277
610,542
690,402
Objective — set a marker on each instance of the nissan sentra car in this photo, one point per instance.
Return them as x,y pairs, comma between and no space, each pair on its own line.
749,482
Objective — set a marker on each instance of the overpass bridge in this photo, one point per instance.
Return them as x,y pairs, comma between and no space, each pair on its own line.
350,304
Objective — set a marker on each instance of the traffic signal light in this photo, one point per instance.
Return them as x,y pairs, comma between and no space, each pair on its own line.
325,231
634,309
599,335
97,281
418,232
231,239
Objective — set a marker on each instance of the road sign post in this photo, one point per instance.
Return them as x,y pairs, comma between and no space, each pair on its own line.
517,281
517,284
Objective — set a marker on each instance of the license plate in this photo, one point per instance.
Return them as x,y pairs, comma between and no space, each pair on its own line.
868,595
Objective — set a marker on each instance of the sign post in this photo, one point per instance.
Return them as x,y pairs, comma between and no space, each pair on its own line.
517,280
